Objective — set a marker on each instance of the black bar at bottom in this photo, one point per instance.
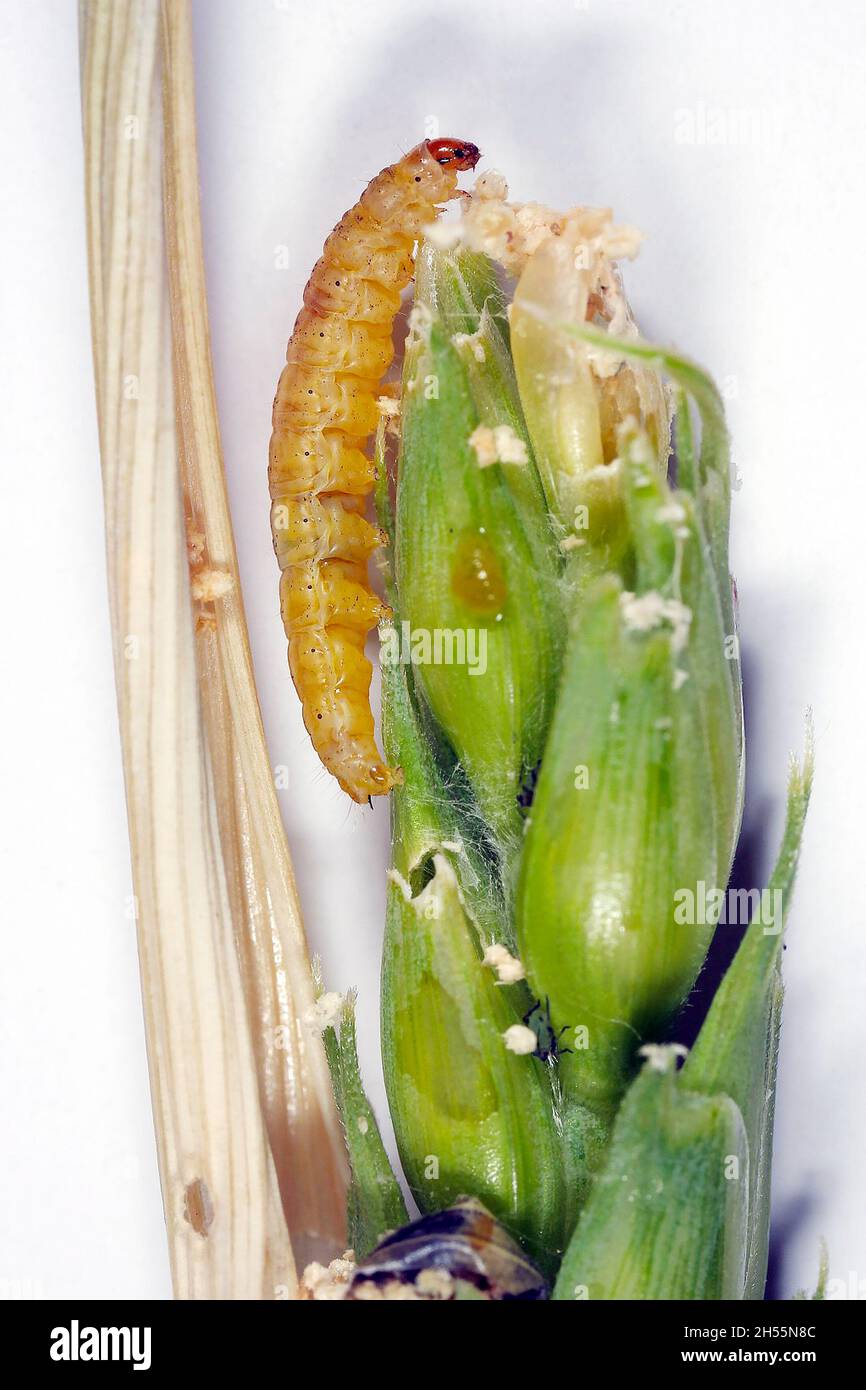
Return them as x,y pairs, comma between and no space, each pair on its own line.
288,1338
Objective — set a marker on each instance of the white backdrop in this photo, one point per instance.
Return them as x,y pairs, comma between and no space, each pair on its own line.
732,134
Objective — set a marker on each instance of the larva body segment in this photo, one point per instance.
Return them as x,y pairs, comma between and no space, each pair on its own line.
325,412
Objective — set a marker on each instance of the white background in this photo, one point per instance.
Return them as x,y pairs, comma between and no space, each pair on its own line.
753,263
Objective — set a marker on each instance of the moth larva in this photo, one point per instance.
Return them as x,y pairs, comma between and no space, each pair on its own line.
324,414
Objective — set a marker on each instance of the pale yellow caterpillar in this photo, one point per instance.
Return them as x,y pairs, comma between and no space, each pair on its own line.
325,412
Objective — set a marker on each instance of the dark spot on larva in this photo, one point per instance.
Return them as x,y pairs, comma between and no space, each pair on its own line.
318,716
198,1207
417,178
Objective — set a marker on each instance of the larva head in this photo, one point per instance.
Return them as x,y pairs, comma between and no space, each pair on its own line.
458,155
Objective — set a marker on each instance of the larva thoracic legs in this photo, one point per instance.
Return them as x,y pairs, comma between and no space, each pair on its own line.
325,412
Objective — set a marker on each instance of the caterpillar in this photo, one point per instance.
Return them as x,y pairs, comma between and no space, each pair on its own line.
325,412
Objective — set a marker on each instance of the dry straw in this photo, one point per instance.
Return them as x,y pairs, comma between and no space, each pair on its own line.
250,1152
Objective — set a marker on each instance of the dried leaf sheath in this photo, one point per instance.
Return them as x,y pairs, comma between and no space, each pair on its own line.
215,1166
227,1232
301,1118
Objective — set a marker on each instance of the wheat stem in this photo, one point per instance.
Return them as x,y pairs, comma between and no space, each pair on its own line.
202,813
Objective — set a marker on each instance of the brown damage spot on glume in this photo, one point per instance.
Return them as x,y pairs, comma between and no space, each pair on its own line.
476,576
198,1207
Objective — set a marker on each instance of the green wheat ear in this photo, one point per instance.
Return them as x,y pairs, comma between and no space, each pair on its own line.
682,1209
473,551
555,805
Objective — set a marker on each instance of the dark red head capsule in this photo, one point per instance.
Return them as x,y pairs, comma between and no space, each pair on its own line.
456,154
